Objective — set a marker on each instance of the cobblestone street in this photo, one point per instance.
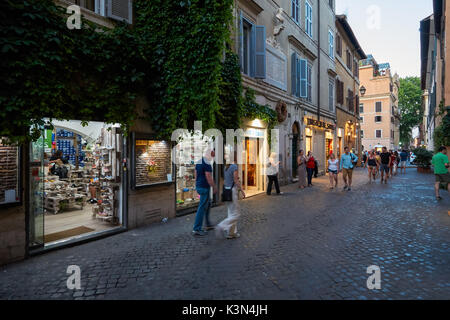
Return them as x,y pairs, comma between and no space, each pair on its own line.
305,244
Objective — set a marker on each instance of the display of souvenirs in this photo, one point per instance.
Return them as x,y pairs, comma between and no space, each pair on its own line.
92,175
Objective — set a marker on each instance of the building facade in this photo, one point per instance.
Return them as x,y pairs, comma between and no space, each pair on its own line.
378,108
286,49
41,210
434,67
348,55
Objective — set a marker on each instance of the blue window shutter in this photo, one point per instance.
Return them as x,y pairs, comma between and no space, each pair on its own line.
294,74
303,78
252,50
260,52
297,62
241,40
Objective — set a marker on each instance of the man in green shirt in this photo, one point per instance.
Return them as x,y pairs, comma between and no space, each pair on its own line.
441,165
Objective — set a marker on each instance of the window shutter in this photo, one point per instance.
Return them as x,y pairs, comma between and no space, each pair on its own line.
241,40
297,61
260,52
120,10
252,51
294,74
337,90
303,78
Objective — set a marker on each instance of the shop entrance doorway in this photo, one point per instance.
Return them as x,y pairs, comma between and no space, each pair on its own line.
252,170
76,182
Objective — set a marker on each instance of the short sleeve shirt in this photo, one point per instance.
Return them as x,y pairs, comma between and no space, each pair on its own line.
229,175
201,169
403,156
385,157
439,160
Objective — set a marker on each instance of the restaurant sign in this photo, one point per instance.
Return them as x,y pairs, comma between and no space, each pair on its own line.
320,124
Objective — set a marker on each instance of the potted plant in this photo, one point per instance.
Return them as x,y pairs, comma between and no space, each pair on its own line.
423,160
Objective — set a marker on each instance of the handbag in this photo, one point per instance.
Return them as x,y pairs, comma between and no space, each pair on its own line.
227,194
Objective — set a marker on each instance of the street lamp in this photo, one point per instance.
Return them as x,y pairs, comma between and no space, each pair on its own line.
362,90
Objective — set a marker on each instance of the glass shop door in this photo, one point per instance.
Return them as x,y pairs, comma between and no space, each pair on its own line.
36,196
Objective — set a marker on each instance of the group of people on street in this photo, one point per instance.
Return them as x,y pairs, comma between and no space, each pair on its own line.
308,165
384,163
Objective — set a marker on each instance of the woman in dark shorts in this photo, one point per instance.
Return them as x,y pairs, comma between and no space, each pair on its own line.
372,164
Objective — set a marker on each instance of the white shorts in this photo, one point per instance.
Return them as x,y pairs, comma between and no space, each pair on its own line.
402,164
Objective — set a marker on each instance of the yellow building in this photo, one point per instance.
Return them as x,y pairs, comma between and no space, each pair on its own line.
378,108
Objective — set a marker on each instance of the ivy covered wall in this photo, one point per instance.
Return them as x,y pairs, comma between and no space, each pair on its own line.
176,54
172,54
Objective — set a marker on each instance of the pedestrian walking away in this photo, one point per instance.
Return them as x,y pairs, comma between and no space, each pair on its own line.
301,169
272,168
203,182
403,158
385,158
441,165
333,171
228,227
310,167
348,162
372,165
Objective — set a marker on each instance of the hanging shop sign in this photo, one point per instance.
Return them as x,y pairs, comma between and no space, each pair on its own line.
320,124
254,133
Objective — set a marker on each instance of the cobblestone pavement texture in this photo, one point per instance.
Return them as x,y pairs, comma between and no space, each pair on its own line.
314,243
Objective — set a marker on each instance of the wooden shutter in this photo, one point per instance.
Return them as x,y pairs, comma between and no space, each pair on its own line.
120,10
294,74
336,88
260,52
303,78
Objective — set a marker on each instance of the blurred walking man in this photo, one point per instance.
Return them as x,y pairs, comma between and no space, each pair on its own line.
203,182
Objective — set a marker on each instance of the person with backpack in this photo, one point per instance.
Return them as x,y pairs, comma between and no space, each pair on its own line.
231,189
348,162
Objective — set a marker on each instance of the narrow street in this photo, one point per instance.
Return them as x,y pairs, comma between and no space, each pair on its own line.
305,244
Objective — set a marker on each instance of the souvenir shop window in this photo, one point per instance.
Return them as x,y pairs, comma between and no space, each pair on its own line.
10,174
152,162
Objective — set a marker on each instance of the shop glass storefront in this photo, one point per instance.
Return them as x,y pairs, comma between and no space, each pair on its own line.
76,182
185,155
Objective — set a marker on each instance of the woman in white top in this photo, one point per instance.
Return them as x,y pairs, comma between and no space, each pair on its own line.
333,170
